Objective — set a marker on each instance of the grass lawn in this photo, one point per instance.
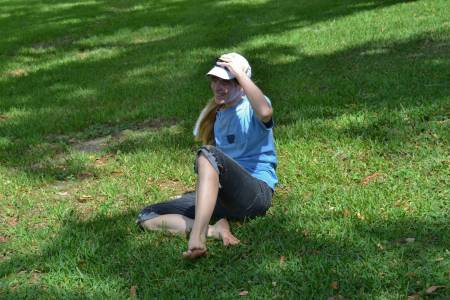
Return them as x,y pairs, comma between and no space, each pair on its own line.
97,104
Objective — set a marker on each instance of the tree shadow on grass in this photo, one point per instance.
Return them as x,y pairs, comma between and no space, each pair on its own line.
107,255
47,19
376,86
370,94
82,94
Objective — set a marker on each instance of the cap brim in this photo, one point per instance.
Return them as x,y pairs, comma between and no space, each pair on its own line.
221,73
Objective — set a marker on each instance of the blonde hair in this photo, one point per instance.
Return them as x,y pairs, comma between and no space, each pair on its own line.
204,127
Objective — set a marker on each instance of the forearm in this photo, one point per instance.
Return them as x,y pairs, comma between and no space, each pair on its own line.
259,103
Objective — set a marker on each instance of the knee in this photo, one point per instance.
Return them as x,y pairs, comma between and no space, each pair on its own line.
146,215
202,160
206,157
150,224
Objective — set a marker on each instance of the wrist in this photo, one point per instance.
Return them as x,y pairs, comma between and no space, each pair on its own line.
241,76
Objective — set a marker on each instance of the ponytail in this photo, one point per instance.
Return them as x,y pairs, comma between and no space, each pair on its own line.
204,126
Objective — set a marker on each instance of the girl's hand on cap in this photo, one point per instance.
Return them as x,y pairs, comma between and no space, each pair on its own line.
233,66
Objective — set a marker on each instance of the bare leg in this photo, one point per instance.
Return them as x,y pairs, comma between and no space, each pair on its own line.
173,223
206,197
179,224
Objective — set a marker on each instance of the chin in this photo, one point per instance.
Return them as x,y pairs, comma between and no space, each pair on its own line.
219,101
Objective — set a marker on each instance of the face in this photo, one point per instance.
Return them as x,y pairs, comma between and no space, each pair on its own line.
224,90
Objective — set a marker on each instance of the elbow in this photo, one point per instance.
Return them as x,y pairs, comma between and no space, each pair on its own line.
266,114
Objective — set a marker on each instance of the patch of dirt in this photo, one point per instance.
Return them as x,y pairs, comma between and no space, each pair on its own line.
92,146
174,185
371,178
68,189
102,160
157,123
64,189
100,143
33,276
38,224
85,175
11,221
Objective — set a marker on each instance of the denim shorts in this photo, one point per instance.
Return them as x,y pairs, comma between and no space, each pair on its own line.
240,194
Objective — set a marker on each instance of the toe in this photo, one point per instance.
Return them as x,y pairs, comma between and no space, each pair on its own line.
194,253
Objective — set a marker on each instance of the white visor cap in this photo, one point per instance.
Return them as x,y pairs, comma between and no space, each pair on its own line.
223,73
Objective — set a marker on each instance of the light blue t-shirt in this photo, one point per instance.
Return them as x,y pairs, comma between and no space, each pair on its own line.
240,134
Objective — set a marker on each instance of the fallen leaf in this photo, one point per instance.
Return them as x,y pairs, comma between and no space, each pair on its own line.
346,213
360,216
82,263
439,259
62,194
433,288
3,239
414,297
103,159
282,259
380,246
3,117
337,297
411,274
307,196
84,175
274,283
133,291
409,240
334,285
243,293
85,198
370,178
116,173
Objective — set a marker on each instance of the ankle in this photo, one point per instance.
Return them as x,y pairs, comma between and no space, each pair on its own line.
213,232
199,234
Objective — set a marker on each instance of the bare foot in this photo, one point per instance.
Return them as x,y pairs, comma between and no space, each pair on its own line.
196,248
229,239
221,230
194,253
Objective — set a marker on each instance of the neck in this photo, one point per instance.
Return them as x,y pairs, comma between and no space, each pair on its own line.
232,102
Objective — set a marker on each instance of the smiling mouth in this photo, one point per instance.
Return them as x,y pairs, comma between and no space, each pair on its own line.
220,95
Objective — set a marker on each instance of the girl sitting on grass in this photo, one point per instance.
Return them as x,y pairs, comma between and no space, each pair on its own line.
235,167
